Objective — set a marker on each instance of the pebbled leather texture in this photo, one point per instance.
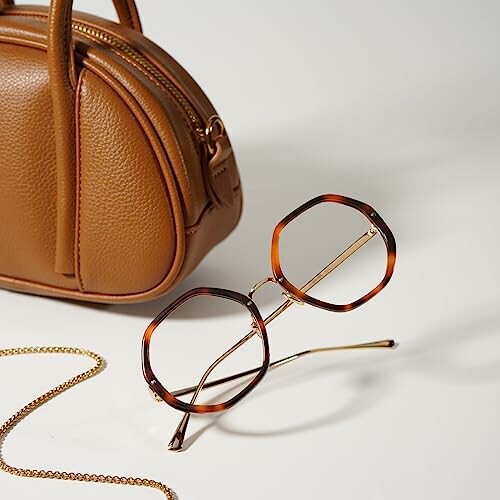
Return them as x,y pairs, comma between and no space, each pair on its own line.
107,190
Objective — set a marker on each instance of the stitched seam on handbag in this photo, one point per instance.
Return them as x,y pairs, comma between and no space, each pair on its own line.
206,212
139,68
79,274
70,292
117,88
149,77
172,100
219,172
164,91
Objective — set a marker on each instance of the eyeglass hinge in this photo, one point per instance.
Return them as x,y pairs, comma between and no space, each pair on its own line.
154,395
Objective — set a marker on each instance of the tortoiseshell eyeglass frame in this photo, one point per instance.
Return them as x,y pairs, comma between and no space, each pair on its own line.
292,295
375,220
155,385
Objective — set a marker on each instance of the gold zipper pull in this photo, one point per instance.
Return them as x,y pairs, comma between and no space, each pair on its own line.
220,170
214,132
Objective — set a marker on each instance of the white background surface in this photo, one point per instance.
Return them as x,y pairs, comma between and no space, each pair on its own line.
395,103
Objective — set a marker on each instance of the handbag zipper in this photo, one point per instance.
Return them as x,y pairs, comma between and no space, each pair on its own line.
133,56
211,135
126,51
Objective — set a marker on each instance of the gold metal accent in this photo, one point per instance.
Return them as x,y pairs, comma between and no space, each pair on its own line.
15,419
380,344
261,283
214,131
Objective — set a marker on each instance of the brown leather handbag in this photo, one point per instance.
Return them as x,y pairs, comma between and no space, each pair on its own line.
116,173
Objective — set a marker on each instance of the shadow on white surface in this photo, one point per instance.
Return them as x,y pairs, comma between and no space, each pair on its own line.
436,355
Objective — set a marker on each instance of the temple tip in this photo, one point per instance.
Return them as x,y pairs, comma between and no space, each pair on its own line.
178,439
175,444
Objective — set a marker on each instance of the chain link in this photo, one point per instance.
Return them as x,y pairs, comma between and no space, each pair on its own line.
44,398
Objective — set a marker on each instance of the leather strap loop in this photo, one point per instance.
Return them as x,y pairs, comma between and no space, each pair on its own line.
63,78
126,10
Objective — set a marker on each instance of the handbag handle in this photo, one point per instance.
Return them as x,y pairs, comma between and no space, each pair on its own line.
63,80
126,10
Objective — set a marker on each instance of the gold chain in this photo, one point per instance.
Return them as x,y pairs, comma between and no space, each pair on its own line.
44,398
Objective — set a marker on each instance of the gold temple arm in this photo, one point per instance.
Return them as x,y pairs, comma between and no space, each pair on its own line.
380,344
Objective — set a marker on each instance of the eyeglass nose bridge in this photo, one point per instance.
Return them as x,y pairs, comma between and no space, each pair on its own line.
260,284
271,279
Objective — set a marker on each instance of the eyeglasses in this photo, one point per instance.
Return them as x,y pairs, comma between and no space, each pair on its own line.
302,243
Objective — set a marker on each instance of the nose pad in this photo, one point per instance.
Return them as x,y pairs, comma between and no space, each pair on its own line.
288,296
255,329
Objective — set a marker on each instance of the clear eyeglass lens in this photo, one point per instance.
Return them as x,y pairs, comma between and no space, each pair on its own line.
181,350
339,240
